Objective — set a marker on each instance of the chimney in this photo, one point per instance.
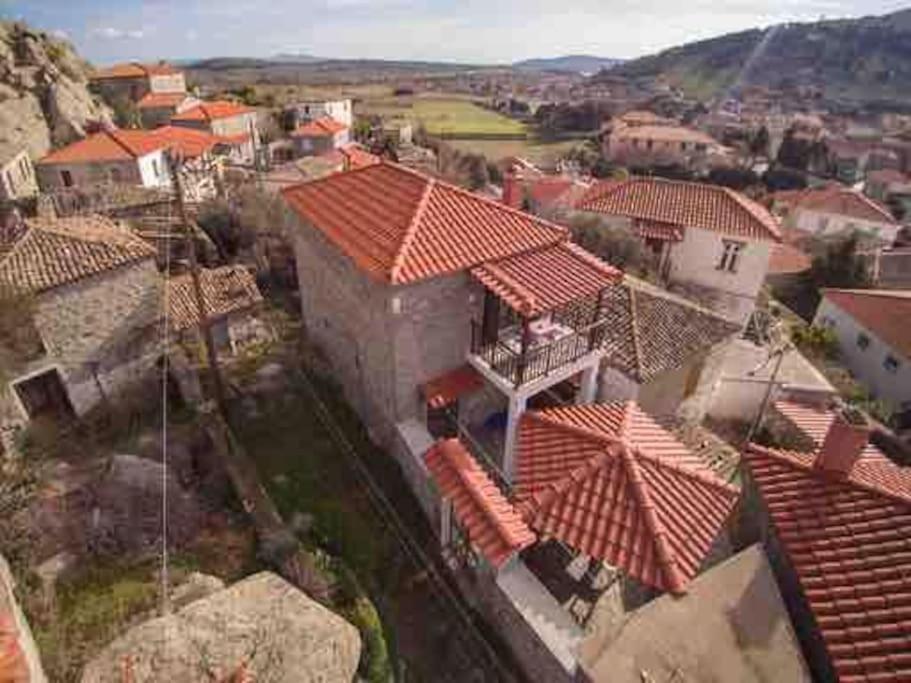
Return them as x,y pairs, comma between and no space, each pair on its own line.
846,439
512,190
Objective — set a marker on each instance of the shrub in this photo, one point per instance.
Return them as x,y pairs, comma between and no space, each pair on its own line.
816,341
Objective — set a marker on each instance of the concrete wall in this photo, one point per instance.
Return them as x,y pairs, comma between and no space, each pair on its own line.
867,364
17,178
340,110
312,146
168,83
824,223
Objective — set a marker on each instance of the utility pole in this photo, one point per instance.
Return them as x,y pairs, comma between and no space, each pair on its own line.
205,329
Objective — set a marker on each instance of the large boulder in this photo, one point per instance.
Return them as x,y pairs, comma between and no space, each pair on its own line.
263,623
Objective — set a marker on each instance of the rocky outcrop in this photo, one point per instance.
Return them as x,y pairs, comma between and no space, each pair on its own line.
44,95
262,624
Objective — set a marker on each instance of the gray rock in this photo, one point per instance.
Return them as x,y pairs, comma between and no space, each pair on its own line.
263,621
196,587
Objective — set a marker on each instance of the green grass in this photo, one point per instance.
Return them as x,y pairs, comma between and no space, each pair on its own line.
446,116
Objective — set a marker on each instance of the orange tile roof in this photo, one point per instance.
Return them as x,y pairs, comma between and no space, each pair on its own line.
546,279
318,128
663,133
814,421
884,312
225,290
13,665
846,539
158,100
400,226
106,145
491,523
648,229
608,481
787,259
358,157
839,200
58,252
134,70
709,207
448,387
209,111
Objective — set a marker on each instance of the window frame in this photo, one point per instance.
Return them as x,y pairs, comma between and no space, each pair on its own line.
731,253
863,341
891,364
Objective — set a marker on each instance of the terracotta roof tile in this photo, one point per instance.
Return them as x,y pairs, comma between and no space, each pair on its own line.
788,259
491,523
318,128
840,200
157,100
663,132
847,541
400,226
648,229
651,332
209,111
58,252
358,157
608,481
13,665
547,279
685,204
190,142
814,421
135,70
107,145
884,312
448,387
225,290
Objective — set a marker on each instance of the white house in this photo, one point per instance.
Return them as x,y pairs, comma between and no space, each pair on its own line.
17,175
873,327
320,136
235,123
310,110
710,242
835,209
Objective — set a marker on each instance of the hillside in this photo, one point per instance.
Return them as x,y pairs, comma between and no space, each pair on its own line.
851,61
43,91
572,63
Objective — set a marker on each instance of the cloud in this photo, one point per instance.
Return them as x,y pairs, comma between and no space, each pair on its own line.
112,33
60,33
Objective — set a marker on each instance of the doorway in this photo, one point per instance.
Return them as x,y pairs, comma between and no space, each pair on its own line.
45,395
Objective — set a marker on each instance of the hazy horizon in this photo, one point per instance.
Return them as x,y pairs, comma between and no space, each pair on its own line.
470,31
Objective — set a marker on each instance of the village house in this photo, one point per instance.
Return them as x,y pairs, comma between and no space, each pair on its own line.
874,339
835,210
647,145
130,82
320,136
312,110
710,242
234,123
95,295
540,194
157,108
883,184
833,516
17,174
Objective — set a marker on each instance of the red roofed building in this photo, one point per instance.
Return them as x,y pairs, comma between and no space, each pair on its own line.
133,81
320,136
874,339
711,242
836,209
157,108
235,123
835,526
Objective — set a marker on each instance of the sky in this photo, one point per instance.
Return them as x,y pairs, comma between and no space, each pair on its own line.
475,31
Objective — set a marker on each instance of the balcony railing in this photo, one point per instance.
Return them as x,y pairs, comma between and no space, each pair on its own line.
538,360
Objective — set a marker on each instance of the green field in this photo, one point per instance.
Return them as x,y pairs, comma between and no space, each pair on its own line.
446,116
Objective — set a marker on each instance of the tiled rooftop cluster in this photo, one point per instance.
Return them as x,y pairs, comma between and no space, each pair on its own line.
225,290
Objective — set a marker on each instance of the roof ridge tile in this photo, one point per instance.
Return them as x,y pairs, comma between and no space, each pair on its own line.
399,261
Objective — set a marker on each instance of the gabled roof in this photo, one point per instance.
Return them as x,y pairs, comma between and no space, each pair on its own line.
842,201
847,541
190,142
401,226
318,128
884,312
135,70
547,279
709,207
491,523
652,332
210,111
609,482
225,290
157,100
357,157
107,145
58,252
814,422
666,132
787,259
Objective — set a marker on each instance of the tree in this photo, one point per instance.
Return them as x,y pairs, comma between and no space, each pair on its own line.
837,264
615,245
759,143
776,179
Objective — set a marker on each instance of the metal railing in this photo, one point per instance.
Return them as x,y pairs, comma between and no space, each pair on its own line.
539,360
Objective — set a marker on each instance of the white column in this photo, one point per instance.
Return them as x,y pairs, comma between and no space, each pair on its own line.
589,386
516,408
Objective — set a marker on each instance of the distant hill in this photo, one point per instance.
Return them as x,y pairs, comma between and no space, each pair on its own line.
297,58
574,63
853,61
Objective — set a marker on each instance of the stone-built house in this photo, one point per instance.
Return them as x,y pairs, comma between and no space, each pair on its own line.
232,301
157,108
874,339
313,110
834,517
95,294
649,144
320,136
710,242
835,210
130,82
881,185
17,174
235,124
663,351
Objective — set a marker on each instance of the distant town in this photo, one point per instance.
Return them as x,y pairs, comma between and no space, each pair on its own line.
576,369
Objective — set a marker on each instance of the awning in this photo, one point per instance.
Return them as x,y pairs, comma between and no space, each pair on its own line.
546,279
657,230
445,389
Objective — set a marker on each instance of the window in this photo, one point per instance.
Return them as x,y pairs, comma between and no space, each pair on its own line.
730,256
823,223
826,321
116,175
24,169
67,178
863,341
700,147
648,144
155,169
892,364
